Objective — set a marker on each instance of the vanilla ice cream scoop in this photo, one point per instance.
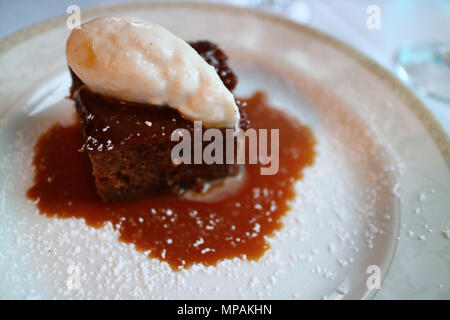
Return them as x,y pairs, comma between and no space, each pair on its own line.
136,61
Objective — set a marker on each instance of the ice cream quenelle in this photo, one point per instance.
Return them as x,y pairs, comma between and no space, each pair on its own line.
132,60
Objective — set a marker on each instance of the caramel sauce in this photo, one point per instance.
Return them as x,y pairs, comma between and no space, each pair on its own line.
175,229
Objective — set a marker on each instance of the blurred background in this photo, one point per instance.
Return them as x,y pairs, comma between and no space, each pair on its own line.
399,27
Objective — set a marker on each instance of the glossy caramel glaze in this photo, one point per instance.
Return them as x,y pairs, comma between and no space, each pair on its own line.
174,229
110,124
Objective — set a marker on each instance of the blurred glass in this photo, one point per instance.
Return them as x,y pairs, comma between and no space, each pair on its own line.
426,67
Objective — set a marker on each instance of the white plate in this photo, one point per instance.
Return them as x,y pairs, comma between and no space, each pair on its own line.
380,182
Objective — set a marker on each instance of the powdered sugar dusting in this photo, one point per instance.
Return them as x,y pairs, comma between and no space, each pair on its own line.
324,250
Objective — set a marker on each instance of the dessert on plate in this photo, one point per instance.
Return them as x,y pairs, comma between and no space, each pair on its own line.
134,84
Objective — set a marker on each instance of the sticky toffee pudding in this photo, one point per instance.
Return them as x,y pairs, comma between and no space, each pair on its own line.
113,166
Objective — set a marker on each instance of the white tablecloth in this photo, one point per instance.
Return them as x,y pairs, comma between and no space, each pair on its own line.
403,22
